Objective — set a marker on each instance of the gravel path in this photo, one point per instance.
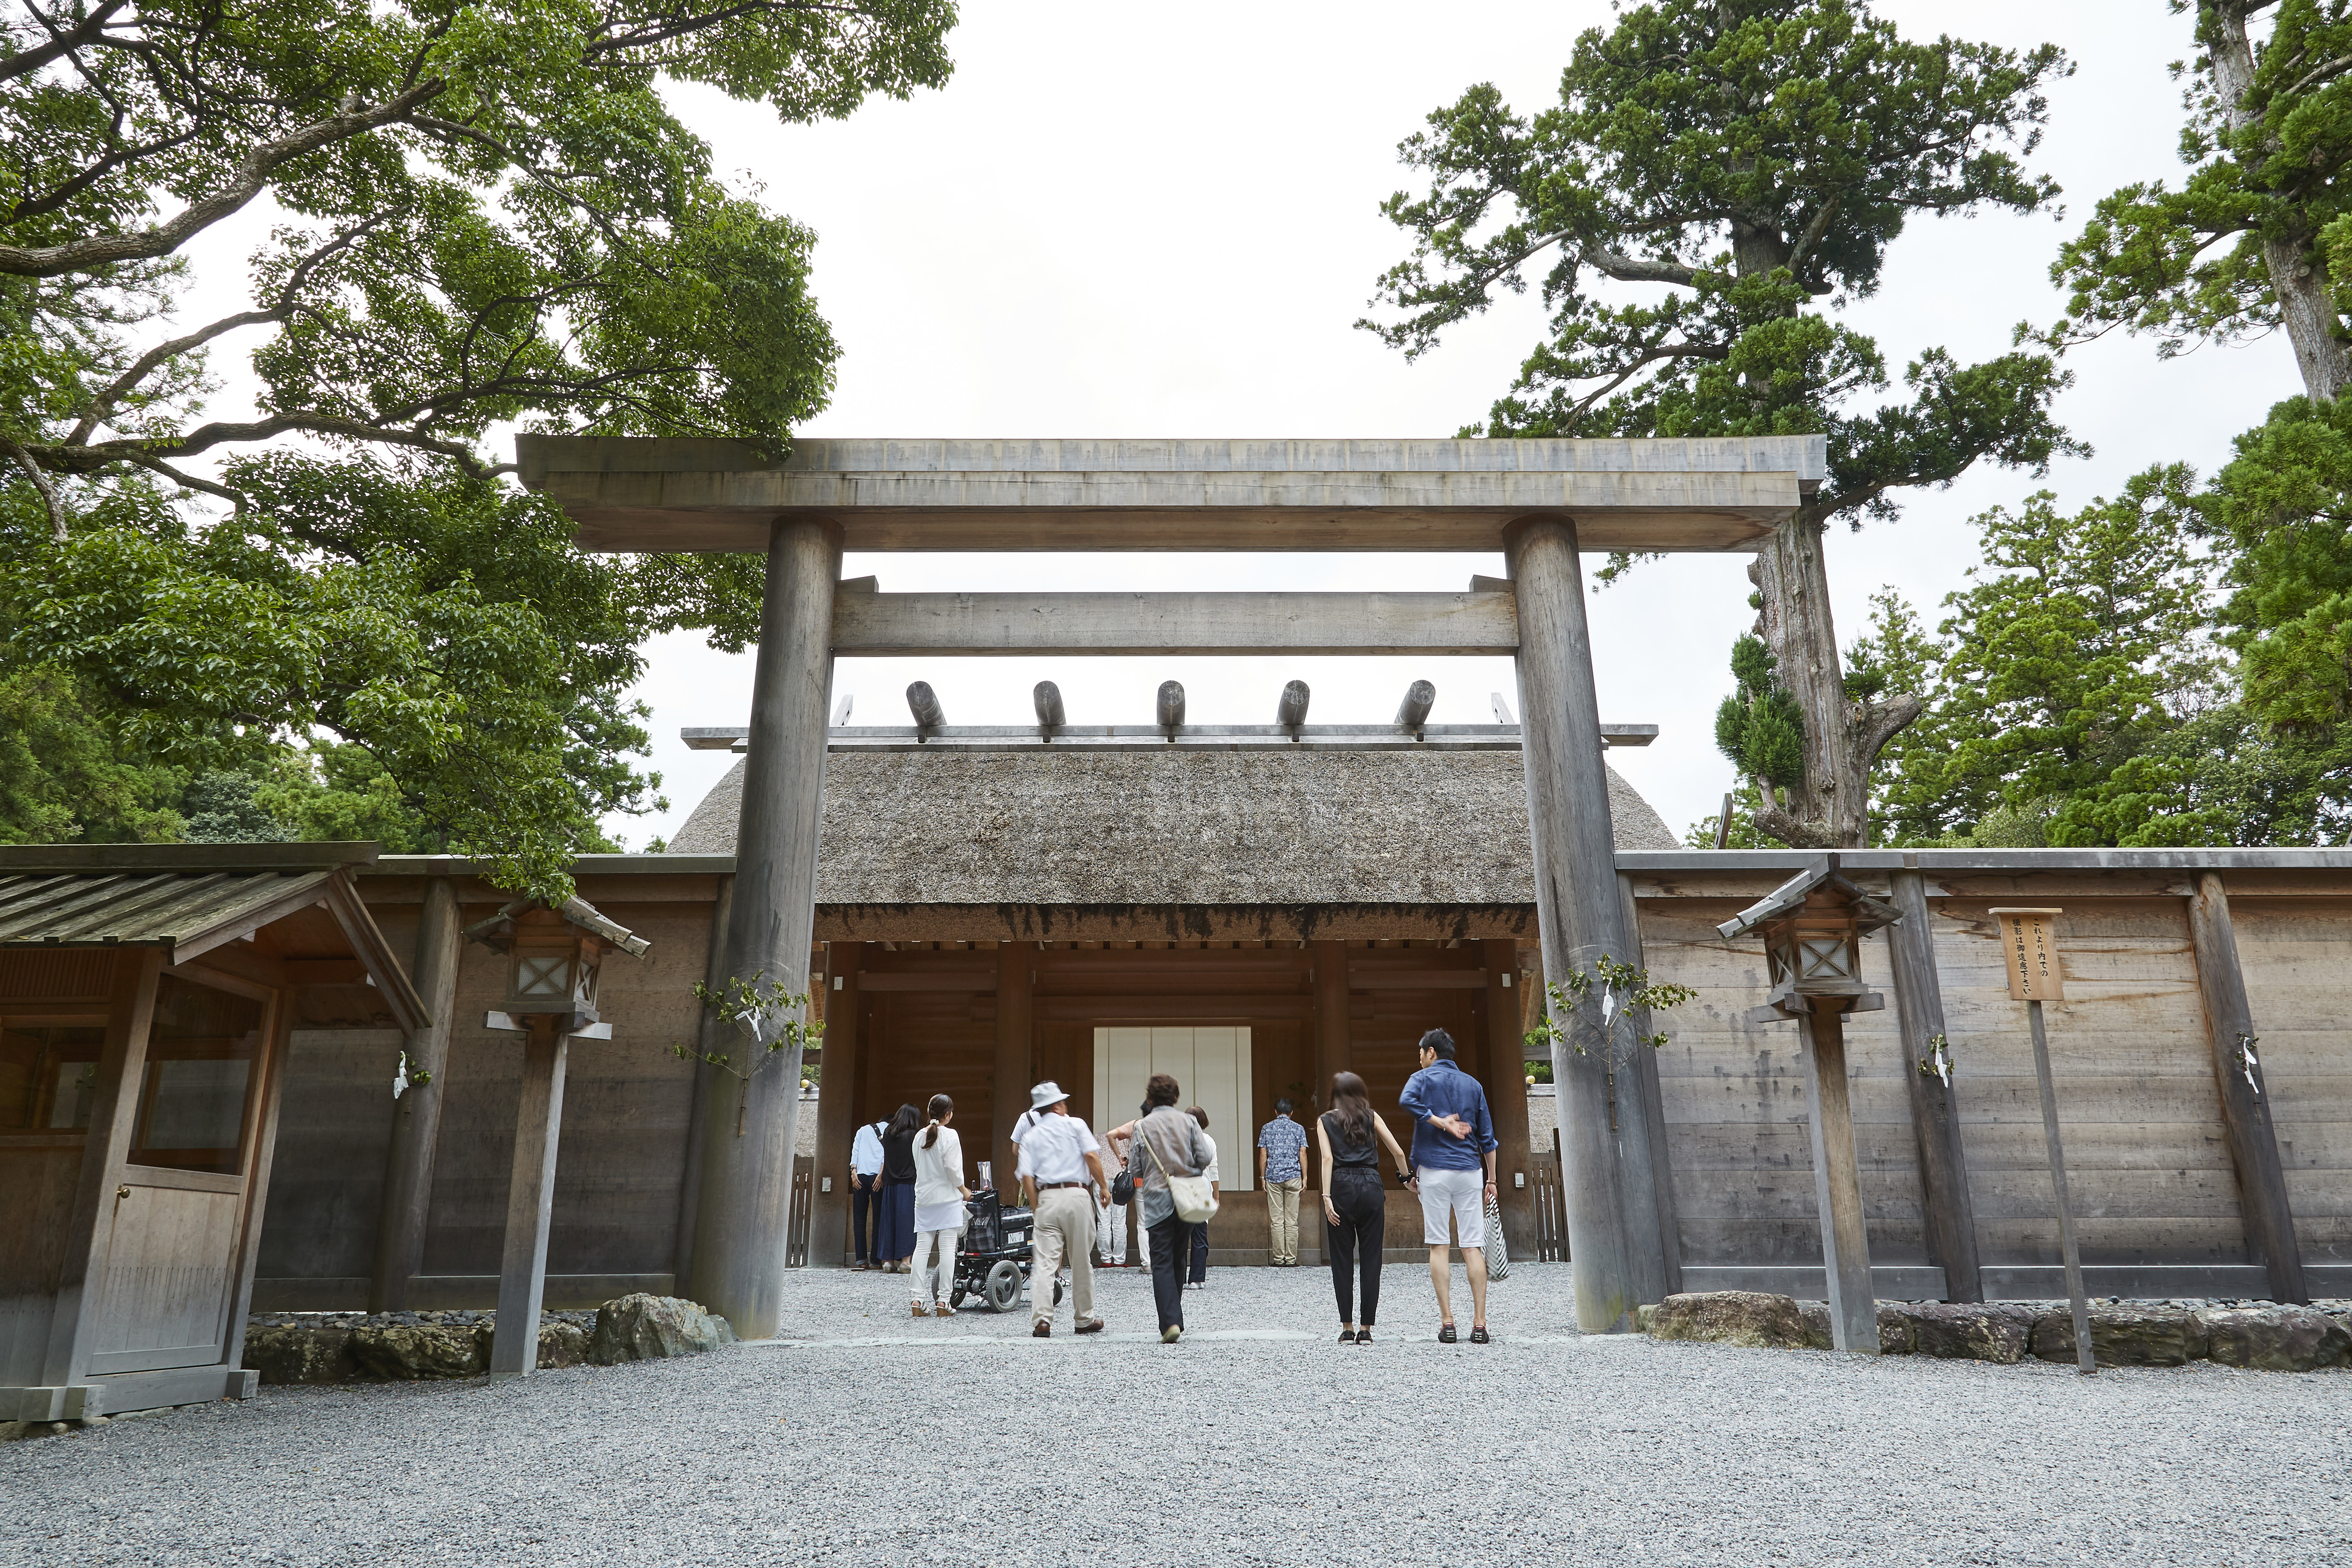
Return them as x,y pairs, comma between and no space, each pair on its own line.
868,1437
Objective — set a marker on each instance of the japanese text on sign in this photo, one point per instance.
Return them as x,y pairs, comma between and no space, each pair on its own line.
2030,955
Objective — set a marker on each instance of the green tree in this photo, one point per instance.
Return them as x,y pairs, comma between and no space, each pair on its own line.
487,215
2258,237
1718,181
2067,671
1759,729
65,772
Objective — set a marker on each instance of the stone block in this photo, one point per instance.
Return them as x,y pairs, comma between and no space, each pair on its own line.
2275,1339
1996,1332
401,1354
640,1327
1732,1317
1819,1334
561,1344
2122,1336
1898,1332
295,1353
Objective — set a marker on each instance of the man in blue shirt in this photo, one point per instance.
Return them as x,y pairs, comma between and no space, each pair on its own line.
1452,1145
1279,1144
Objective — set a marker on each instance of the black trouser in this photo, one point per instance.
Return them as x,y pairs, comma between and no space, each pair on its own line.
863,1212
1199,1253
1171,1239
1361,1200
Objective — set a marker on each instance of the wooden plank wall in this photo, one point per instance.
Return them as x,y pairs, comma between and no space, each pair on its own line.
2297,952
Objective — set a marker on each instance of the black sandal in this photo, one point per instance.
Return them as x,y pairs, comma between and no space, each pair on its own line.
1479,1336
1363,1336
1446,1335
1347,1336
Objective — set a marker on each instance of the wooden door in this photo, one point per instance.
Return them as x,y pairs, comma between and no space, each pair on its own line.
171,1247
1211,1065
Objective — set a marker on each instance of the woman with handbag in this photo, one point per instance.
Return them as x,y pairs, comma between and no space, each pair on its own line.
940,1195
1166,1160
1355,1204
894,1241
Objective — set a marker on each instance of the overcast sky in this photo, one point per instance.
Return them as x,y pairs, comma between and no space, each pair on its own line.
1125,221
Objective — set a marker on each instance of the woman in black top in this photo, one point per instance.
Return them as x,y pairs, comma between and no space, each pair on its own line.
894,1240
1355,1204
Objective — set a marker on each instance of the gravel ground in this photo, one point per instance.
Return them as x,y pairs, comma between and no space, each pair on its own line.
865,1437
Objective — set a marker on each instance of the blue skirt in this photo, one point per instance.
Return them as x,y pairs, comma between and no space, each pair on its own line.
895,1235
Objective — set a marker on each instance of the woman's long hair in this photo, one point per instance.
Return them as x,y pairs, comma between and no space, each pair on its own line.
1354,1107
941,1109
906,1121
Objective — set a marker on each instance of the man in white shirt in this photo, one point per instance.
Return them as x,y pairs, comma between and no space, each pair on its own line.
865,1186
1058,1153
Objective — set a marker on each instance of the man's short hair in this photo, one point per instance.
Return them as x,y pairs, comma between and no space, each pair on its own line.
1282,1106
1438,1040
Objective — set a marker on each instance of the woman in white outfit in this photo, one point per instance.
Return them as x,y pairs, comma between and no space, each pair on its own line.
939,1194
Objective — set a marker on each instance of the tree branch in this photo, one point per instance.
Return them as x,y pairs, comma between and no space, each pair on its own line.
24,460
1633,269
122,385
148,460
252,178
73,38
1877,723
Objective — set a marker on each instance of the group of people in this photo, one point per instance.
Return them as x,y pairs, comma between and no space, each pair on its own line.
907,1183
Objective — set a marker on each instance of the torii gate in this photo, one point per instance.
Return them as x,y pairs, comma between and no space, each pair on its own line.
1537,501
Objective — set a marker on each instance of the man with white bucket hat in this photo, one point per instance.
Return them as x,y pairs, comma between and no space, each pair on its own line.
1058,1153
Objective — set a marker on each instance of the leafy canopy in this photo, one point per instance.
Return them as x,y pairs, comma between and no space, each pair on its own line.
1713,179
484,215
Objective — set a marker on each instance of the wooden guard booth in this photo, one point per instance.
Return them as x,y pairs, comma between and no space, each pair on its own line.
147,993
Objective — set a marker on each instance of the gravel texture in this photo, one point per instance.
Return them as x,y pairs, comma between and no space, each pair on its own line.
867,1436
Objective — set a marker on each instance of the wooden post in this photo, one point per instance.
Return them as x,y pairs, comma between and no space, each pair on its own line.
531,1200
709,1036
1507,1094
1576,894
1935,1110
837,1096
1837,1180
408,1203
1016,1054
2245,1109
747,1148
1653,1107
2085,1357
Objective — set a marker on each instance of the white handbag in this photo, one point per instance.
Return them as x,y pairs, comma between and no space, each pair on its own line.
1194,1197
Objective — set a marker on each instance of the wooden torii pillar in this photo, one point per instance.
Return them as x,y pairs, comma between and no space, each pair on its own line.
1538,501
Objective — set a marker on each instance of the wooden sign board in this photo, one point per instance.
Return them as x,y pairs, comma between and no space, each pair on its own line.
2030,955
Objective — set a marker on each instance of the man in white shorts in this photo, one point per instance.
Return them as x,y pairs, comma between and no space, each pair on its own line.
1454,1172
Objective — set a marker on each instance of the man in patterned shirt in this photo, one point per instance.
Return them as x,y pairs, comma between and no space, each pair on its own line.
1279,1144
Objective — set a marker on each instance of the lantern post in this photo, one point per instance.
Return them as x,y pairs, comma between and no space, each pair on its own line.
554,959
1813,928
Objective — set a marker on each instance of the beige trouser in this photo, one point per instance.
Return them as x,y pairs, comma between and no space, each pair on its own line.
1282,1217
1065,1229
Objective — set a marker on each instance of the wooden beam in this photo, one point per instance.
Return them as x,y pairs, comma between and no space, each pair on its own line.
1837,1182
407,1202
530,1201
836,1087
962,624
1949,1215
1419,699
1575,898
747,1156
1015,1053
2245,1108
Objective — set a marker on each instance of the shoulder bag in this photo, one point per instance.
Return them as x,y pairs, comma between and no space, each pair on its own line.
1191,1193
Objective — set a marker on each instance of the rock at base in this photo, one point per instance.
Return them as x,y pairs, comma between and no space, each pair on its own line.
641,1327
399,1353
2274,1339
1732,1317
2122,1336
1898,1332
291,1354
562,1344
1992,1331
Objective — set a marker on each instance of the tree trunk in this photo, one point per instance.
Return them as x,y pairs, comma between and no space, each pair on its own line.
1829,807
2300,283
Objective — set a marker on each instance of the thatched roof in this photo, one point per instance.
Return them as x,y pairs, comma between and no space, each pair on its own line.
1041,826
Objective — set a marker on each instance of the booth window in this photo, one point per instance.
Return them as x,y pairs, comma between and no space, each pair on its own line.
200,1059
49,1074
